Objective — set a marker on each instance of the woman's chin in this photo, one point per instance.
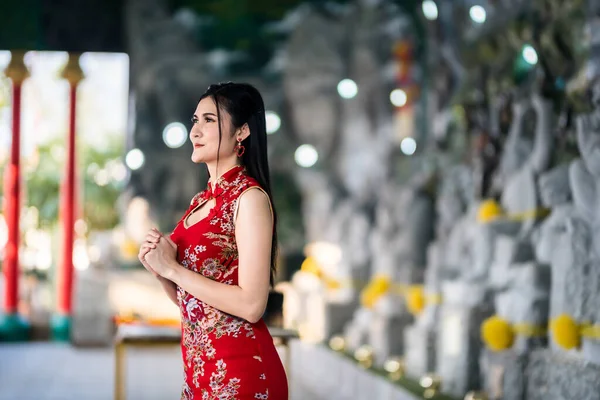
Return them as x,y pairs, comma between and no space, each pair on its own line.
196,159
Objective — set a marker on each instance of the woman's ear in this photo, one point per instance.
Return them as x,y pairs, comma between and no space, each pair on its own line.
244,132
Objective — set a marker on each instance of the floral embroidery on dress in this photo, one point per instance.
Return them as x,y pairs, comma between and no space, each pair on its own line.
199,345
209,320
219,390
262,396
211,268
226,243
212,251
186,392
221,324
193,308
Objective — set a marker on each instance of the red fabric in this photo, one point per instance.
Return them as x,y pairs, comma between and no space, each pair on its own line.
225,357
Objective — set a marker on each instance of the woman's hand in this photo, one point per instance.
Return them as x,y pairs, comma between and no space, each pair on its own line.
162,257
150,243
152,238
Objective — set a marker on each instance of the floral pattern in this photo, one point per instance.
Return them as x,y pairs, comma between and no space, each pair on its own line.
221,352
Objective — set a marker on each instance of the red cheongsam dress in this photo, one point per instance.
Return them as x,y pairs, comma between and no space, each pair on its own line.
225,357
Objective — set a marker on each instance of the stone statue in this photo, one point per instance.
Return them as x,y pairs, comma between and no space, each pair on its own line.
555,237
323,298
584,176
403,228
520,283
516,147
492,264
520,201
466,303
380,324
454,197
567,241
341,191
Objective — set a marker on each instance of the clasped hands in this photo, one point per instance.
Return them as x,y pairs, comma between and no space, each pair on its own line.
158,254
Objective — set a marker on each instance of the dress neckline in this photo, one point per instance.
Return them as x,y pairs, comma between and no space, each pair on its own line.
226,180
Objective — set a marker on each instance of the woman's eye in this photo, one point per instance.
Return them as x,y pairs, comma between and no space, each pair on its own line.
208,119
194,120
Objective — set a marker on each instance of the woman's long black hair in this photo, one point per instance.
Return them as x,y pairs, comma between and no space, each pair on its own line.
244,104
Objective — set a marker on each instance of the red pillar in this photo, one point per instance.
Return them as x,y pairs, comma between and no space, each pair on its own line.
61,322
12,327
12,191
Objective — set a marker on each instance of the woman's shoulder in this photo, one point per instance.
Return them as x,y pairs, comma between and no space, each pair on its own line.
196,198
248,182
251,193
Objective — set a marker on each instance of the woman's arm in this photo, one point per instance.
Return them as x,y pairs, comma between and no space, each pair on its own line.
152,238
253,234
170,289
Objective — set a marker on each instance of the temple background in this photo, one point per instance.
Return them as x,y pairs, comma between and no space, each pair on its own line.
434,167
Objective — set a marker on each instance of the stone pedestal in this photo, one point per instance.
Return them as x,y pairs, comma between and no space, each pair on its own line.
92,323
590,349
459,346
324,318
504,375
386,336
555,376
356,332
14,328
318,373
420,353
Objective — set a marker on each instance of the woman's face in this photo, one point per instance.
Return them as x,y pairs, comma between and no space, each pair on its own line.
204,134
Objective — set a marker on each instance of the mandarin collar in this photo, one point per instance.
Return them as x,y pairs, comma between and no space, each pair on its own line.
225,180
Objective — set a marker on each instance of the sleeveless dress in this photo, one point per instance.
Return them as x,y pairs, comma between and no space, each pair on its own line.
225,357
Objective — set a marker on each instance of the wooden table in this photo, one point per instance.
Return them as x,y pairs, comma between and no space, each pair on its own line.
161,336
139,336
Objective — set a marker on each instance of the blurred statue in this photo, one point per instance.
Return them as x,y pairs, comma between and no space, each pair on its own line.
341,191
388,245
453,200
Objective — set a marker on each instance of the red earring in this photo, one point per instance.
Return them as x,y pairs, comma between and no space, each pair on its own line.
239,149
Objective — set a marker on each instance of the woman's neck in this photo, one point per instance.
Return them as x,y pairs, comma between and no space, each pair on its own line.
217,171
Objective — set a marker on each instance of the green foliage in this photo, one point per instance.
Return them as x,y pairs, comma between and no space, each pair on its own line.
43,175
238,25
20,26
100,201
42,183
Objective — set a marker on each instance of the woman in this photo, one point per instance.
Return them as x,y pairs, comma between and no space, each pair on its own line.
218,263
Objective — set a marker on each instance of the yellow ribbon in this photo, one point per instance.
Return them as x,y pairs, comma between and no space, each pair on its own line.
590,331
375,289
490,210
433,298
530,214
499,334
415,299
311,266
567,333
530,330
